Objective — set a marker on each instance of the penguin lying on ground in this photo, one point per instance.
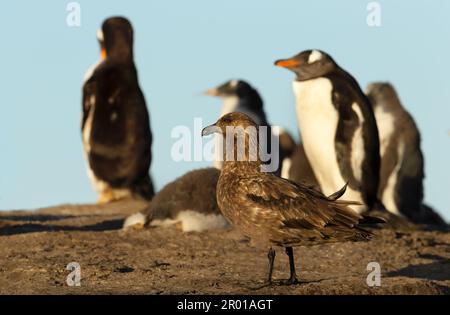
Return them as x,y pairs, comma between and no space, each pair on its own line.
189,202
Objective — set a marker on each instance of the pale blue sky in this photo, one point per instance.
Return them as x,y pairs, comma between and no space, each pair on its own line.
184,47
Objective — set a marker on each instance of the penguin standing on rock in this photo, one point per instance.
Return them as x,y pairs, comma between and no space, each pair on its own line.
402,163
115,122
337,126
240,96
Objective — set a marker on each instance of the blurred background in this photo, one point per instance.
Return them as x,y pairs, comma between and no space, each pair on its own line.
185,47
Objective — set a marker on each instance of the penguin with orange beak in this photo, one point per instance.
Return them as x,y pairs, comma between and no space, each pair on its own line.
337,127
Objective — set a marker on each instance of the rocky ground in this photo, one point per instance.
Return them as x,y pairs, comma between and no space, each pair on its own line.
35,248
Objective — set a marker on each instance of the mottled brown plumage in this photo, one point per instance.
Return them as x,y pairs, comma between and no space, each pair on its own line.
277,212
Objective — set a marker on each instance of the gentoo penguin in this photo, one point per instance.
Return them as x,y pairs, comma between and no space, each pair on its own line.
295,165
337,127
240,96
189,202
115,123
277,212
402,163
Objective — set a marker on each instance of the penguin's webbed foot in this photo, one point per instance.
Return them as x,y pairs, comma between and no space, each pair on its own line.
105,197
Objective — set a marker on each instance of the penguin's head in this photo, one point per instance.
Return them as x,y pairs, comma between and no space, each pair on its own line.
308,64
382,94
379,90
237,88
116,38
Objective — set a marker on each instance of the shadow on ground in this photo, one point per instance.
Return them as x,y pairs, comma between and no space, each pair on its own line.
33,227
437,270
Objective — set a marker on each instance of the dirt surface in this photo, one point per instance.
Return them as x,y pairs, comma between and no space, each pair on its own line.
35,248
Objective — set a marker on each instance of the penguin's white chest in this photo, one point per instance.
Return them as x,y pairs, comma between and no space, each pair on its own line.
230,104
386,127
88,127
318,120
